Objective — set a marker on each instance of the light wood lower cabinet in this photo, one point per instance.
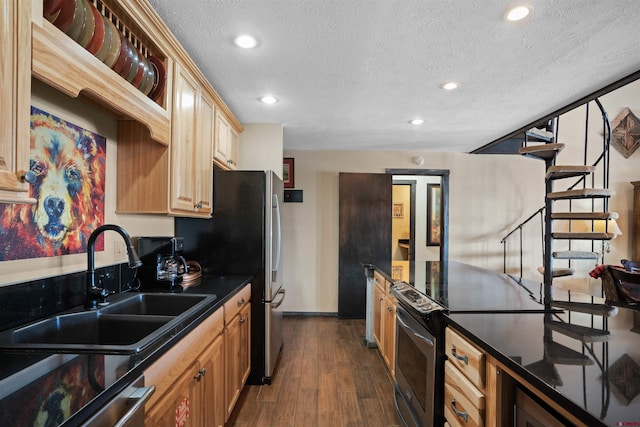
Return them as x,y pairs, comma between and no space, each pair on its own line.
189,379
464,381
389,333
384,321
237,335
378,298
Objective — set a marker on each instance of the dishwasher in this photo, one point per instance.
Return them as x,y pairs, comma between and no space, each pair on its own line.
126,409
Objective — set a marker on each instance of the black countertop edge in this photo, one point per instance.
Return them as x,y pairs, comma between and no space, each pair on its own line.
536,382
223,287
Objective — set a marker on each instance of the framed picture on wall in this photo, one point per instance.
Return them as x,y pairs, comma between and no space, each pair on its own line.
396,272
398,210
434,215
288,172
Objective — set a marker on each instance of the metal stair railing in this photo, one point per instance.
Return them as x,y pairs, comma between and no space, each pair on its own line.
602,160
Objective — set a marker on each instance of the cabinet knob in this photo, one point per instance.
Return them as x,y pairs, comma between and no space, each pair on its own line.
243,319
241,302
198,205
201,373
389,309
27,176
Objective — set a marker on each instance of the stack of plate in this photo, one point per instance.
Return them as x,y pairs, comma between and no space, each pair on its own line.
81,21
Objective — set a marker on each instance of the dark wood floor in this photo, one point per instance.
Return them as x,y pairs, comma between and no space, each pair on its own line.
326,377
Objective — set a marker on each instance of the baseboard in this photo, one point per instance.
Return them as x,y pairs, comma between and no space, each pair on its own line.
309,314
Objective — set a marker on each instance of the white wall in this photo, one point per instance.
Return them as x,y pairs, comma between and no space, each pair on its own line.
486,199
260,147
81,114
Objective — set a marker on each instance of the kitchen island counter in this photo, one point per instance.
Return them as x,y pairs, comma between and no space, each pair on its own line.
506,320
69,388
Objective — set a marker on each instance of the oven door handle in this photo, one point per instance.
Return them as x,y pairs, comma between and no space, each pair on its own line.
414,333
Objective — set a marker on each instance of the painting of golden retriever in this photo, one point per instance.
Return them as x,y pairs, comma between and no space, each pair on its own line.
67,177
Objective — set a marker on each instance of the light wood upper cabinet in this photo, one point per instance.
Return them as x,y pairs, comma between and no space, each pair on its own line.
192,144
15,90
226,143
165,146
204,152
175,180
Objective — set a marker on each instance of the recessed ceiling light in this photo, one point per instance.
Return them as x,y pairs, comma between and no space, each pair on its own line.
450,86
416,121
517,13
268,99
246,42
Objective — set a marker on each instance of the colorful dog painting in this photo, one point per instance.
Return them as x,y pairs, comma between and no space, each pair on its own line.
67,164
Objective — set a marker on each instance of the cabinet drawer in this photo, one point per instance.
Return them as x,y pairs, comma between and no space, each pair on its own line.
459,411
466,357
461,385
236,303
378,279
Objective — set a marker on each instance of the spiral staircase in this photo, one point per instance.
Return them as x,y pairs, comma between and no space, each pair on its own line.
573,195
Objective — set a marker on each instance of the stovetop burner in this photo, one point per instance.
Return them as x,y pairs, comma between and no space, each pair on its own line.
420,302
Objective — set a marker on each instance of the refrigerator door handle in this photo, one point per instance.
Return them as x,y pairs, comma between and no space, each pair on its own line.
276,205
275,304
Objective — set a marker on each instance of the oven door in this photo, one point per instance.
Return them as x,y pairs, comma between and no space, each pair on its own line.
415,371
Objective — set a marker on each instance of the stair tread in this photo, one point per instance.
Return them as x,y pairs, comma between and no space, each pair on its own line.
585,307
568,171
581,193
541,151
539,135
547,371
581,333
583,236
575,255
558,271
563,355
584,215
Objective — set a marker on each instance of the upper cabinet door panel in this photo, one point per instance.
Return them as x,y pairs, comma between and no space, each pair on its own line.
183,147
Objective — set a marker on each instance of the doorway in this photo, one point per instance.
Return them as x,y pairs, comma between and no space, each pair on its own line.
403,228
429,226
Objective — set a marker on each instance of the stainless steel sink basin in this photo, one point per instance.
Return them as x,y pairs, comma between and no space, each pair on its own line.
90,328
131,324
154,304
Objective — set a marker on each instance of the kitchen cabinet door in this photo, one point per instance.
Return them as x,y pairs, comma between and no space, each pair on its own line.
183,141
378,303
226,143
232,337
211,391
176,406
15,87
204,153
245,343
389,332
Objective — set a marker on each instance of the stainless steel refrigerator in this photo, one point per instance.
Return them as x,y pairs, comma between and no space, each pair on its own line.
244,237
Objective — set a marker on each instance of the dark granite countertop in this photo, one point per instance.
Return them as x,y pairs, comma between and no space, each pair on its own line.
508,321
29,380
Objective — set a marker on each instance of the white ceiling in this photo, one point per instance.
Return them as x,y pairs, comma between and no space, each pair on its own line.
350,74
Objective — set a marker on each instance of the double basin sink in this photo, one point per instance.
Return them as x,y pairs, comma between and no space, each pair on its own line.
132,324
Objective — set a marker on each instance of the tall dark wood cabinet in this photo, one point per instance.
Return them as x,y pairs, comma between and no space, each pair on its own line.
635,227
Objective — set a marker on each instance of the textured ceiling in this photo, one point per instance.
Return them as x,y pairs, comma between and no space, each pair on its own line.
350,74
